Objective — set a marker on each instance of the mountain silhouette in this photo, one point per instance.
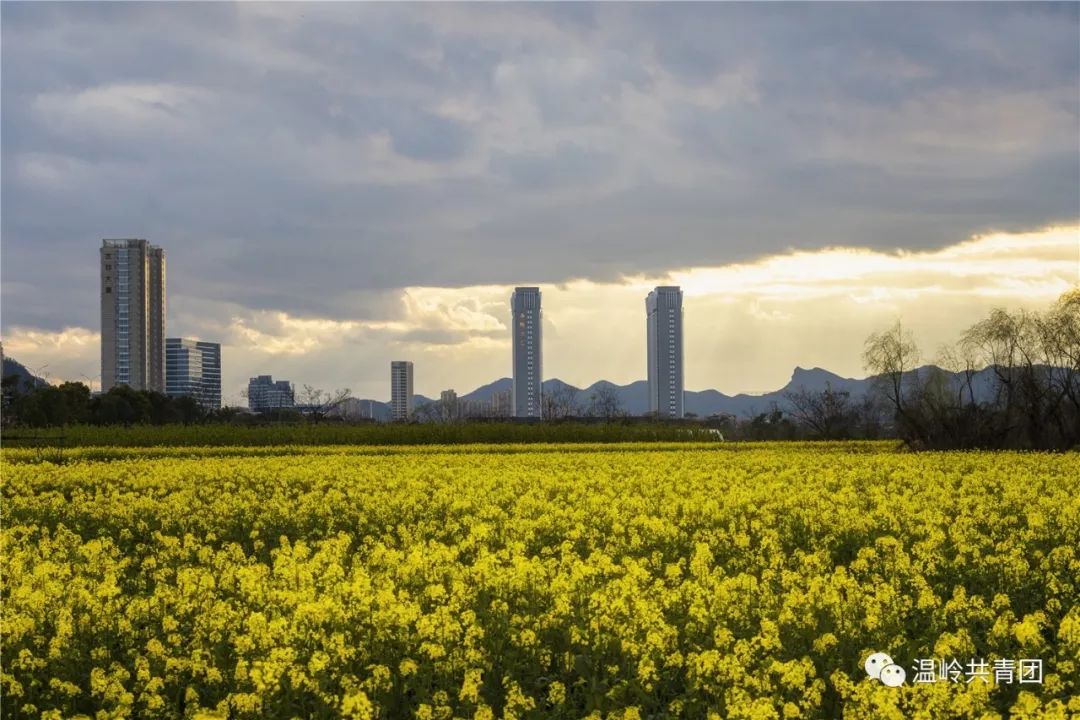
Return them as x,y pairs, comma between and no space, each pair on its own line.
634,397
27,379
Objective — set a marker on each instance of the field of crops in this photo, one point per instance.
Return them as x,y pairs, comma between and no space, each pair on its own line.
550,581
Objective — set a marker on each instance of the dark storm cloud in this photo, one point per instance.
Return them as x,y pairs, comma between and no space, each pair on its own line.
312,158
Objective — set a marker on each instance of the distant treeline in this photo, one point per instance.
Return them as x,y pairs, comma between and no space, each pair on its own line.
134,417
71,403
123,416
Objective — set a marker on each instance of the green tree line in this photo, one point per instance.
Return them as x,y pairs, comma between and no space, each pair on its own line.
71,403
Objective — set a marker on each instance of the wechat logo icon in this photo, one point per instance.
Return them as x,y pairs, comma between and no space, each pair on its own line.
881,667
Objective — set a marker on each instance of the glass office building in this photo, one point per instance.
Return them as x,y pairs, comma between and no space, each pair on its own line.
193,369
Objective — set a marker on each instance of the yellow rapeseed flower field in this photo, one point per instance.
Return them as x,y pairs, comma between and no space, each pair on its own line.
639,581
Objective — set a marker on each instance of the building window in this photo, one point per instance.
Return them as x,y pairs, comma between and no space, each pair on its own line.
108,291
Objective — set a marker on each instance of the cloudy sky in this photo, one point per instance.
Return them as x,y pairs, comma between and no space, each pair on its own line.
337,185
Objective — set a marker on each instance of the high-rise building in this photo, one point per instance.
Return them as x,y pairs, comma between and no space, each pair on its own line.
664,330
193,368
525,321
266,394
401,389
132,315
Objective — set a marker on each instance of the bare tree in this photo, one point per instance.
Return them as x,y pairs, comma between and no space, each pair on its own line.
891,357
560,402
604,402
828,413
946,400
1011,345
1060,336
962,363
994,342
318,404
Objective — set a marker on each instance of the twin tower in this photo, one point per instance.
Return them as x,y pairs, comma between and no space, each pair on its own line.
664,352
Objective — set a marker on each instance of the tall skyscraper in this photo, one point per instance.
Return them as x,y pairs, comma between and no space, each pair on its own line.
132,315
193,368
266,394
664,330
528,352
401,389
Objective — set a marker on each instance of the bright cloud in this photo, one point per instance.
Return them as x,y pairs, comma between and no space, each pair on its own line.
277,333
69,354
1033,266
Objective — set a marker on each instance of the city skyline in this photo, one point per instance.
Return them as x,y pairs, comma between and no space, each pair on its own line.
1050,251
339,185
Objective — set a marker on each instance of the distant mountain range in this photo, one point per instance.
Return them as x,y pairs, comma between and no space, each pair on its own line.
634,398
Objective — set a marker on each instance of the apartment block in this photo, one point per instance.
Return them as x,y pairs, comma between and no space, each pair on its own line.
525,324
132,315
401,390
664,352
